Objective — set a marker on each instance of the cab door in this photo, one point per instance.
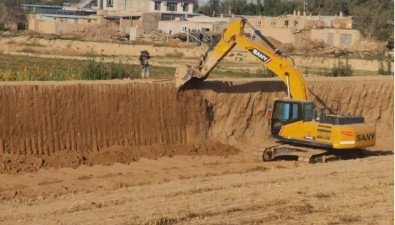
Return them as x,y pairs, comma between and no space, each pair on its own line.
285,113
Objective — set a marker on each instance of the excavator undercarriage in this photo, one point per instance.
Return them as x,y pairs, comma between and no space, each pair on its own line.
307,154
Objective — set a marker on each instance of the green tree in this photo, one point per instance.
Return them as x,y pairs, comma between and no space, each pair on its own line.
213,7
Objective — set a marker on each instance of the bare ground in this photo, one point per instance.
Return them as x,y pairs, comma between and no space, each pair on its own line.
204,190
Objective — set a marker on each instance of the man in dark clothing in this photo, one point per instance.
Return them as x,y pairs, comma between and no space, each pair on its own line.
144,63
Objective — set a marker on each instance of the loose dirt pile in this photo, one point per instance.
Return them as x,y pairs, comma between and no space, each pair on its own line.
11,163
85,123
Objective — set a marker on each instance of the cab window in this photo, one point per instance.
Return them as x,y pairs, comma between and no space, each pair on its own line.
286,111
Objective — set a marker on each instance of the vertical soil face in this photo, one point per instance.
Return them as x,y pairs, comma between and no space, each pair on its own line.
81,119
44,119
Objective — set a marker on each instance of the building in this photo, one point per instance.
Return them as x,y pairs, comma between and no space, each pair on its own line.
133,16
175,7
300,28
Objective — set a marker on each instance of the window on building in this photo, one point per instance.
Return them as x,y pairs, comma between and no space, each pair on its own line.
286,24
110,3
273,23
185,6
172,6
94,4
295,23
184,29
157,5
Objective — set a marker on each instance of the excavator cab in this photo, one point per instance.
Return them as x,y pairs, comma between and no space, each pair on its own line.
287,111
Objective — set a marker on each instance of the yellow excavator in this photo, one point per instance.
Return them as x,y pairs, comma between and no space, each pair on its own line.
302,131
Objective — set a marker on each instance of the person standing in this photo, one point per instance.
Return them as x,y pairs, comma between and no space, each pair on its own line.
144,63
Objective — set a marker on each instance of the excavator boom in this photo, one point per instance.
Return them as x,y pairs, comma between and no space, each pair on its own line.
270,57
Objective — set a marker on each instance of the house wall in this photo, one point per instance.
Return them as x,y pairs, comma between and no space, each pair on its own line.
49,25
150,21
340,38
126,24
283,35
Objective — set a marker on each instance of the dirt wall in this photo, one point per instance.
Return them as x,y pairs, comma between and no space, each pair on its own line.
41,119
48,118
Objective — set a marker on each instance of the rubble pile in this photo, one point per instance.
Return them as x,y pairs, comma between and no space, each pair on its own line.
154,36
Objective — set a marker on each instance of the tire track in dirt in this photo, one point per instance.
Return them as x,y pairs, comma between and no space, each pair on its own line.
325,193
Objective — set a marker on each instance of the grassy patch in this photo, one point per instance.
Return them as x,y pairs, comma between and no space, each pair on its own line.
20,68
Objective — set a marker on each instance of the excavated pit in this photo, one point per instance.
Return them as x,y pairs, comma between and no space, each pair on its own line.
67,124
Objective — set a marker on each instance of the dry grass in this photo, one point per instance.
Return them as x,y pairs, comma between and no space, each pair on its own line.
174,54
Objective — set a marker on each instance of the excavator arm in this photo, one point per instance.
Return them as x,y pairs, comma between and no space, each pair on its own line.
266,54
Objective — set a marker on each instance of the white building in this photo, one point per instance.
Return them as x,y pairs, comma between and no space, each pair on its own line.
159,6
133,16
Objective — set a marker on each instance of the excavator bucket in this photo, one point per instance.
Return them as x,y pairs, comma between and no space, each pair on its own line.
186,74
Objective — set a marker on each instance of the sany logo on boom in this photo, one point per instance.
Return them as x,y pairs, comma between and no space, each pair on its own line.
260,55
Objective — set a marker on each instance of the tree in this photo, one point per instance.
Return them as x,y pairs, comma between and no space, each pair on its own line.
373,18
211,8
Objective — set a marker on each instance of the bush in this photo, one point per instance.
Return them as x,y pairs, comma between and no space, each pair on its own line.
135,72
94,70
387,69
118,71
341,69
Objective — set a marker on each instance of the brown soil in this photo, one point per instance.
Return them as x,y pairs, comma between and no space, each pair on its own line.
128,152
13,163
